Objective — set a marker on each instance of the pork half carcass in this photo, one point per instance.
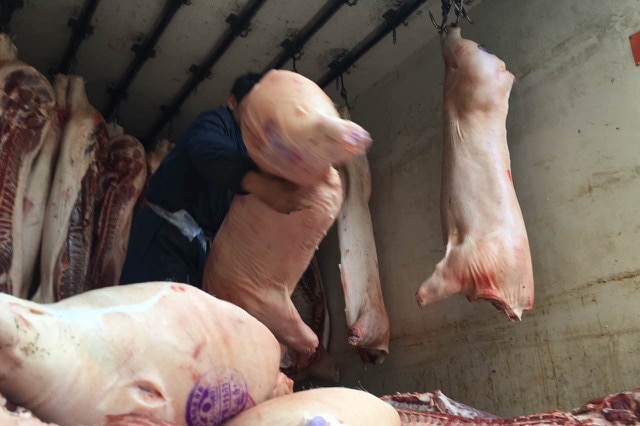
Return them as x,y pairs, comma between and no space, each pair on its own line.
259,255
487,249
37,193
422,409
320,407
367,318
69,217
310,301
165,350
27,111
121,182
292,129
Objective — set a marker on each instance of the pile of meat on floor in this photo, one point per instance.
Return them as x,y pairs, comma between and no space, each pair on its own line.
68,187
435,408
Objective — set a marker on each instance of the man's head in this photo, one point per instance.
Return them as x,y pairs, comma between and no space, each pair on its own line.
241,88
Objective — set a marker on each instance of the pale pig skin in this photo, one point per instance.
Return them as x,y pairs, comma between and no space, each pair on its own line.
367,317
349,407
487,255
291,129
259,255
152,349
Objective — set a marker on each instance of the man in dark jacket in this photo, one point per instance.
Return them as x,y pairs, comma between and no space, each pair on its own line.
191,192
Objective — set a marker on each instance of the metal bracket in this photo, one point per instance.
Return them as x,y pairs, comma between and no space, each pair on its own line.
120,93
165,108
295,54
143,51
197,70
241,31
76,25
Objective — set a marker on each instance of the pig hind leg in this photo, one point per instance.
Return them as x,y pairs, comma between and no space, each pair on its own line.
475,269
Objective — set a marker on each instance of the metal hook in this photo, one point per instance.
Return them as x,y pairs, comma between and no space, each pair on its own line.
343,93
459,10
446,8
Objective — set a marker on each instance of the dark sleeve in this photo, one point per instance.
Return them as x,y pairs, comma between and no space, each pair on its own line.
213,154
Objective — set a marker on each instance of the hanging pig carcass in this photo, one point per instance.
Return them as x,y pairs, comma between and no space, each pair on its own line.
27,122
293,131
487,249
69,217
122,180
367,318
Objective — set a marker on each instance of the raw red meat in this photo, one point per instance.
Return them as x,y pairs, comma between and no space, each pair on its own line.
27,105
417,409
122,179
69,218
310,301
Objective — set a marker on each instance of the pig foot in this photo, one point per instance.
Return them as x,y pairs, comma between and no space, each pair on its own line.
292,330
370,334
277,312
353,138
479,271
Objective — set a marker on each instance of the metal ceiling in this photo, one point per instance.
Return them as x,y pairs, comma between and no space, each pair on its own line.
155,64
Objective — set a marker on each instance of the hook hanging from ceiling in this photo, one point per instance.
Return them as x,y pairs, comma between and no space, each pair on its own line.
294,58
343,93
459,11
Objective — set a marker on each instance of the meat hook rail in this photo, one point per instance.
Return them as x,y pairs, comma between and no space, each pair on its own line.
446,8
292,48
143,51
7,7
81,30
393,18
238,27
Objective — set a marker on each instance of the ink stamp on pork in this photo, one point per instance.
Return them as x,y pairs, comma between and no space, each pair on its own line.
218,395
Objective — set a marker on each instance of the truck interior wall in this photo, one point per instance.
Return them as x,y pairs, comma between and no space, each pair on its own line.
574,137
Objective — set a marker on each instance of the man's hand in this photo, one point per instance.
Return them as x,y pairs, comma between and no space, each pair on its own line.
279,194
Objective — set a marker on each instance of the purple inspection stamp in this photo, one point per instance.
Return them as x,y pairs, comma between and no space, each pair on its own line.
218,395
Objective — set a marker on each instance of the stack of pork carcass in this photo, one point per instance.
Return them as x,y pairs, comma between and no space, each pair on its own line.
68,189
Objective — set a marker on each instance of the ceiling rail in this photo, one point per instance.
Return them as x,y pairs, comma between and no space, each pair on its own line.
7,8
292,48
392,19
81,29
238,26
143,52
